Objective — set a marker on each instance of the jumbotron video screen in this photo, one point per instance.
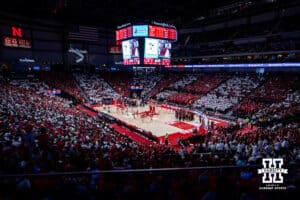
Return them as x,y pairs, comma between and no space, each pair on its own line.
130,49
157,52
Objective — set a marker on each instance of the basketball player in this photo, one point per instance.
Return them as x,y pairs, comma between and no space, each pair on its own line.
166,139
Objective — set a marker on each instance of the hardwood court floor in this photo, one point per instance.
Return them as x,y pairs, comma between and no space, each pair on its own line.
159,125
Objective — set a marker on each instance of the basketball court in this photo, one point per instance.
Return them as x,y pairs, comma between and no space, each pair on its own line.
160,122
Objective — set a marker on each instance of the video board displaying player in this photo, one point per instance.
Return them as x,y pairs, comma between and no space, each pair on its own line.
130,49
157,52
164,48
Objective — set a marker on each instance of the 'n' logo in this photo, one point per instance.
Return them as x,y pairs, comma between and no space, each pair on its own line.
16,32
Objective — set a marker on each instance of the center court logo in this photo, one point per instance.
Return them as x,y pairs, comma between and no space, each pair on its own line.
272,173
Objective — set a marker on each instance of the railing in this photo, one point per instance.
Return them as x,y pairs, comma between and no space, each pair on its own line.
229,182
150,170
120,171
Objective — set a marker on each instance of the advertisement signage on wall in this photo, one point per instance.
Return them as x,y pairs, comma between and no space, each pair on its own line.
16,39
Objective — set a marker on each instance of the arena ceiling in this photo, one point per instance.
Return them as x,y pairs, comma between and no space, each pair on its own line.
111,13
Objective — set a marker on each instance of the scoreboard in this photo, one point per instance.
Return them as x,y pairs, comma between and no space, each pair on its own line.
124,33
153,31
148,44
162,32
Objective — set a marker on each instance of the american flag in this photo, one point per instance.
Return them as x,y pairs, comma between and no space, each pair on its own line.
84,33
